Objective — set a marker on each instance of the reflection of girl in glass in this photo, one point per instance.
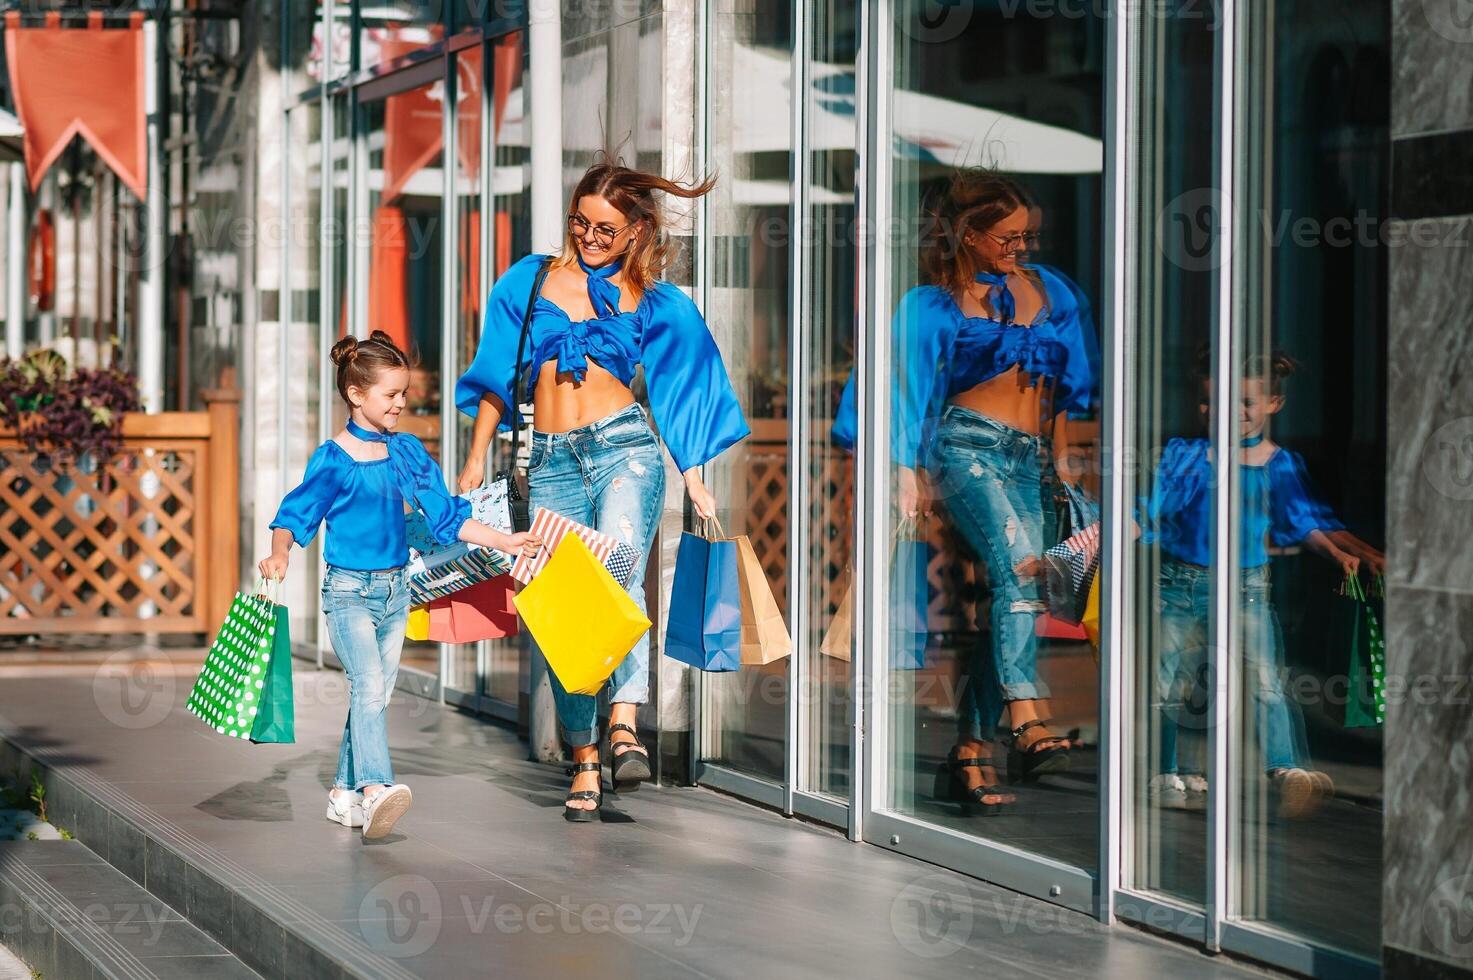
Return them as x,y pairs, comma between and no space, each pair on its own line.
603,312
1277,509
991,354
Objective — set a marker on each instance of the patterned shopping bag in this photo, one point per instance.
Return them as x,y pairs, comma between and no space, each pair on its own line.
245,688
618,558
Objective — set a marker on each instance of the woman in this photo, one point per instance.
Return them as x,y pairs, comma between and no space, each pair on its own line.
600,313
990,358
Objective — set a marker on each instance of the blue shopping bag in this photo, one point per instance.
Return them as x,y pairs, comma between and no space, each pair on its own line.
704,628
910,600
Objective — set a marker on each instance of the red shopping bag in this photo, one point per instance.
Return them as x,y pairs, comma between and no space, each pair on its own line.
483,611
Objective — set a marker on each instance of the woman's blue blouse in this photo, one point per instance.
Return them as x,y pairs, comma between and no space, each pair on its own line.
1278,505
690,394
363,504
940,352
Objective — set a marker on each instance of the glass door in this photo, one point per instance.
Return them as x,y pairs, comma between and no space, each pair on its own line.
984,703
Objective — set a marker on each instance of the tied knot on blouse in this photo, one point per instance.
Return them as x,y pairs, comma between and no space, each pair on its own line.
572,346
411,479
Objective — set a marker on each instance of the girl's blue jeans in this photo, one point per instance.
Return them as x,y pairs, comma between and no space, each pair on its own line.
998,485
366,616
610,476
1183,602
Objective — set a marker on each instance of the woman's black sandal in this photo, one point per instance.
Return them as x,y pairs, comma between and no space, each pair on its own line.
577,814
631,762
973,799
1039,758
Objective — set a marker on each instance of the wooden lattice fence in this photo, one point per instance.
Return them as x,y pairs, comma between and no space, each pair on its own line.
147,541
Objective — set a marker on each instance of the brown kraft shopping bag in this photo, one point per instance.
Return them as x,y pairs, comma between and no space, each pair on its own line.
765,636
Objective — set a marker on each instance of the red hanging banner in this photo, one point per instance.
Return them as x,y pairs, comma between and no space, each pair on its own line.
69,82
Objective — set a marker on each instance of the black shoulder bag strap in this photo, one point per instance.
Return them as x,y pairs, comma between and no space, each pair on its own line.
516,492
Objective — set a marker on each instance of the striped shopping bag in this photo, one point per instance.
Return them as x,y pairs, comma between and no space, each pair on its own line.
616,556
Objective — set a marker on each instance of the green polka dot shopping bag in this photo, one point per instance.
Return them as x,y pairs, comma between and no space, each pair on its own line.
1365,706
245,689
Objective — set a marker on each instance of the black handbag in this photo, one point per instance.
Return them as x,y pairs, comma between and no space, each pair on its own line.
514,479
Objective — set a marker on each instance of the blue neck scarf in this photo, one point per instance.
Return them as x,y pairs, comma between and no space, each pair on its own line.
603,295
998,295
1252,441
405,476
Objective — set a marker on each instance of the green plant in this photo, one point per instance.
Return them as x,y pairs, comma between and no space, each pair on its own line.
71,412
65,834
31,835
38,794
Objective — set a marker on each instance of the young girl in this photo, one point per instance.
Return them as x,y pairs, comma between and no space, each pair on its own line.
359,482
1277,508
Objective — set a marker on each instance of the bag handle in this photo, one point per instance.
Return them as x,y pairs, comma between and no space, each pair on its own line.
706,523
1353,588
516,383
269,589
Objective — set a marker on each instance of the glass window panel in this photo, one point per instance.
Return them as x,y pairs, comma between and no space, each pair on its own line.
391,29
1171,564
746,710
985,447
403,294
829,335
1312,418
306,44
304,347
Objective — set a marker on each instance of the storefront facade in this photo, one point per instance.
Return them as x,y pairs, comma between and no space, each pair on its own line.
1213,179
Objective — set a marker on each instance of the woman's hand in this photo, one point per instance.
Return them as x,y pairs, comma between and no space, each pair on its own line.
703,500
914,494
472,475
273,566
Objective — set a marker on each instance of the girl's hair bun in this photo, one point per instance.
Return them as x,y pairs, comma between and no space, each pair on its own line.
344,351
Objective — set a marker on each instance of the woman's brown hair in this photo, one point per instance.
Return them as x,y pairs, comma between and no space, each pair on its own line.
361,361
973,201
632,193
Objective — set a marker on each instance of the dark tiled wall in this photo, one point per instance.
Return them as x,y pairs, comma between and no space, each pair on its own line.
1428,891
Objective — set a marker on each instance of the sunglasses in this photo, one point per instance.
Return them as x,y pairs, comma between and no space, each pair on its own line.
579,228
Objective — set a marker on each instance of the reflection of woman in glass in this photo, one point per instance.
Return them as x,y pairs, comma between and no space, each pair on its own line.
990,357
602,313
1277,509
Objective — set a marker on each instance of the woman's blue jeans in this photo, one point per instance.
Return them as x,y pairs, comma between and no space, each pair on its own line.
366,616
998,484
1182,670
609,476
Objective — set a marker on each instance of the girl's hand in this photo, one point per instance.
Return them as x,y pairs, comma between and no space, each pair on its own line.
273,567
472,475
523,542
1349,564
703,500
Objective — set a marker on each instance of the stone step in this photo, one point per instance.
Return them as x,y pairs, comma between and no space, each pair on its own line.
72,916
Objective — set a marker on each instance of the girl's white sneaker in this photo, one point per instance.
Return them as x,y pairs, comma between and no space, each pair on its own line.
382,810
345,808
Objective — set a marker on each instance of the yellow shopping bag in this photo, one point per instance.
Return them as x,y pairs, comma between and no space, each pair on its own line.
582,620
419,624
1091,618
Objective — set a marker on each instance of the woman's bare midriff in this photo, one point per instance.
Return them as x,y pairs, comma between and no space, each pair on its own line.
563,404
1009,399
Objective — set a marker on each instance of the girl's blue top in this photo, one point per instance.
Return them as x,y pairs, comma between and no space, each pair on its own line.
940,352
1278,505
363,502
690,394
